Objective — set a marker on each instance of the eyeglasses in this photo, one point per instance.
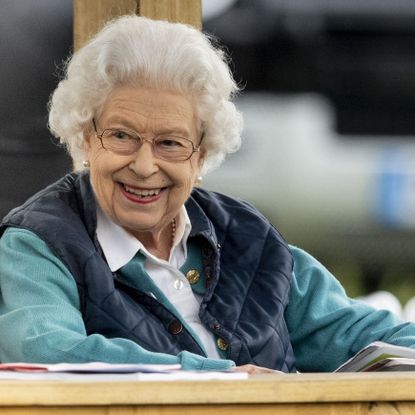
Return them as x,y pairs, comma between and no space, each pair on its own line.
168,147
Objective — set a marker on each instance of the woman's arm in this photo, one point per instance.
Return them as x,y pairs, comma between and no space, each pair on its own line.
327,327
40,319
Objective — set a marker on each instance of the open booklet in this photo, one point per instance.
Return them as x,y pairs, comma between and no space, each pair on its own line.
380,356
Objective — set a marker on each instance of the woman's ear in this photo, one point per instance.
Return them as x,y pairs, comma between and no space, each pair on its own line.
87,134
201,161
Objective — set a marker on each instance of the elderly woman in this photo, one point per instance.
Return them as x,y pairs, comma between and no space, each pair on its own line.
127,261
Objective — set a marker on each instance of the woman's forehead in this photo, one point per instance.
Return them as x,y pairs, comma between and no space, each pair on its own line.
132,106
150,100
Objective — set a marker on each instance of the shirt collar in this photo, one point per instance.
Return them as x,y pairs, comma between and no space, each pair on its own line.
120,247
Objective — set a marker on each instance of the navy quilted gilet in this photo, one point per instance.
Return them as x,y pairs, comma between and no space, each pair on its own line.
247,265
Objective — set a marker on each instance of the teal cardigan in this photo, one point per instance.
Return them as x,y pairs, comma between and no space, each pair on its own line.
40,319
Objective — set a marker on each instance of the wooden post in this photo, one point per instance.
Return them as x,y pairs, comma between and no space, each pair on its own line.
91,15
183,11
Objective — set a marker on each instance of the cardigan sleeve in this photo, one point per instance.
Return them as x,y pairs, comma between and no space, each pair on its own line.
326,326
40,318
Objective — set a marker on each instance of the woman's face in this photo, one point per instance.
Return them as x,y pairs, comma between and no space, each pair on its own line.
141,192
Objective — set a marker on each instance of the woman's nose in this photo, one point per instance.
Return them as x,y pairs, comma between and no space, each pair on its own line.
144,164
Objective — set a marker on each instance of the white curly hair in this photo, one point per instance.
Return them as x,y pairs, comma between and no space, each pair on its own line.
151,53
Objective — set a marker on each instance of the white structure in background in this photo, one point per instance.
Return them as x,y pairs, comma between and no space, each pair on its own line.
384,300
409,310
312,183
300,172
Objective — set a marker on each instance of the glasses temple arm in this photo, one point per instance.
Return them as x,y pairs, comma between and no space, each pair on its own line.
94,124
201,139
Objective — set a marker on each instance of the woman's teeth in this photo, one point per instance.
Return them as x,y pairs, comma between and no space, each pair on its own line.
142,193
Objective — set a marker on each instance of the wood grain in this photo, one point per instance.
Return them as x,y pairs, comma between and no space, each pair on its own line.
305,388
90,16
383,408
183,11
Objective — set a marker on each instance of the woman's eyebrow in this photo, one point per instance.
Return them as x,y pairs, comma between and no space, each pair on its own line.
184,132
171,129
121,122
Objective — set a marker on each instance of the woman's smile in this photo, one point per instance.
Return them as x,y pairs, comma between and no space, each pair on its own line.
142,195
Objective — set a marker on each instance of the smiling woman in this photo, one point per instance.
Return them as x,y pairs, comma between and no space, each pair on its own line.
126,260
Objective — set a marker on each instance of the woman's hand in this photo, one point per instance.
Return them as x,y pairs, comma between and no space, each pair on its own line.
256,370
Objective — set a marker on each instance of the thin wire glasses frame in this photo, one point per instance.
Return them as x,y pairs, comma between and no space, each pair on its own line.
168,147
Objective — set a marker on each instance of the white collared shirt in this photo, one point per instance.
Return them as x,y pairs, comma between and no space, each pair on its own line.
119,248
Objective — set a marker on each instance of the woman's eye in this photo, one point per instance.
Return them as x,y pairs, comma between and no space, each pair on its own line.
167,142
120,135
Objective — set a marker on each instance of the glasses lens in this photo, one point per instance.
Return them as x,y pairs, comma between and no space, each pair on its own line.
120,141
172,148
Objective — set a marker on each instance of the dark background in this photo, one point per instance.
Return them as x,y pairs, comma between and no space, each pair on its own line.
35,37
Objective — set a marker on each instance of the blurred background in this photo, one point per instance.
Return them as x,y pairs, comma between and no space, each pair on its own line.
35,37
328,150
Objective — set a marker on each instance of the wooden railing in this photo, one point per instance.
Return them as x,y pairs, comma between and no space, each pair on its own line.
310,394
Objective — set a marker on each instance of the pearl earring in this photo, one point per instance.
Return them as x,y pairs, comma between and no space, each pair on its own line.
86,163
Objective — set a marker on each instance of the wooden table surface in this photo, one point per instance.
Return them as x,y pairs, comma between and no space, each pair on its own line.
311,394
